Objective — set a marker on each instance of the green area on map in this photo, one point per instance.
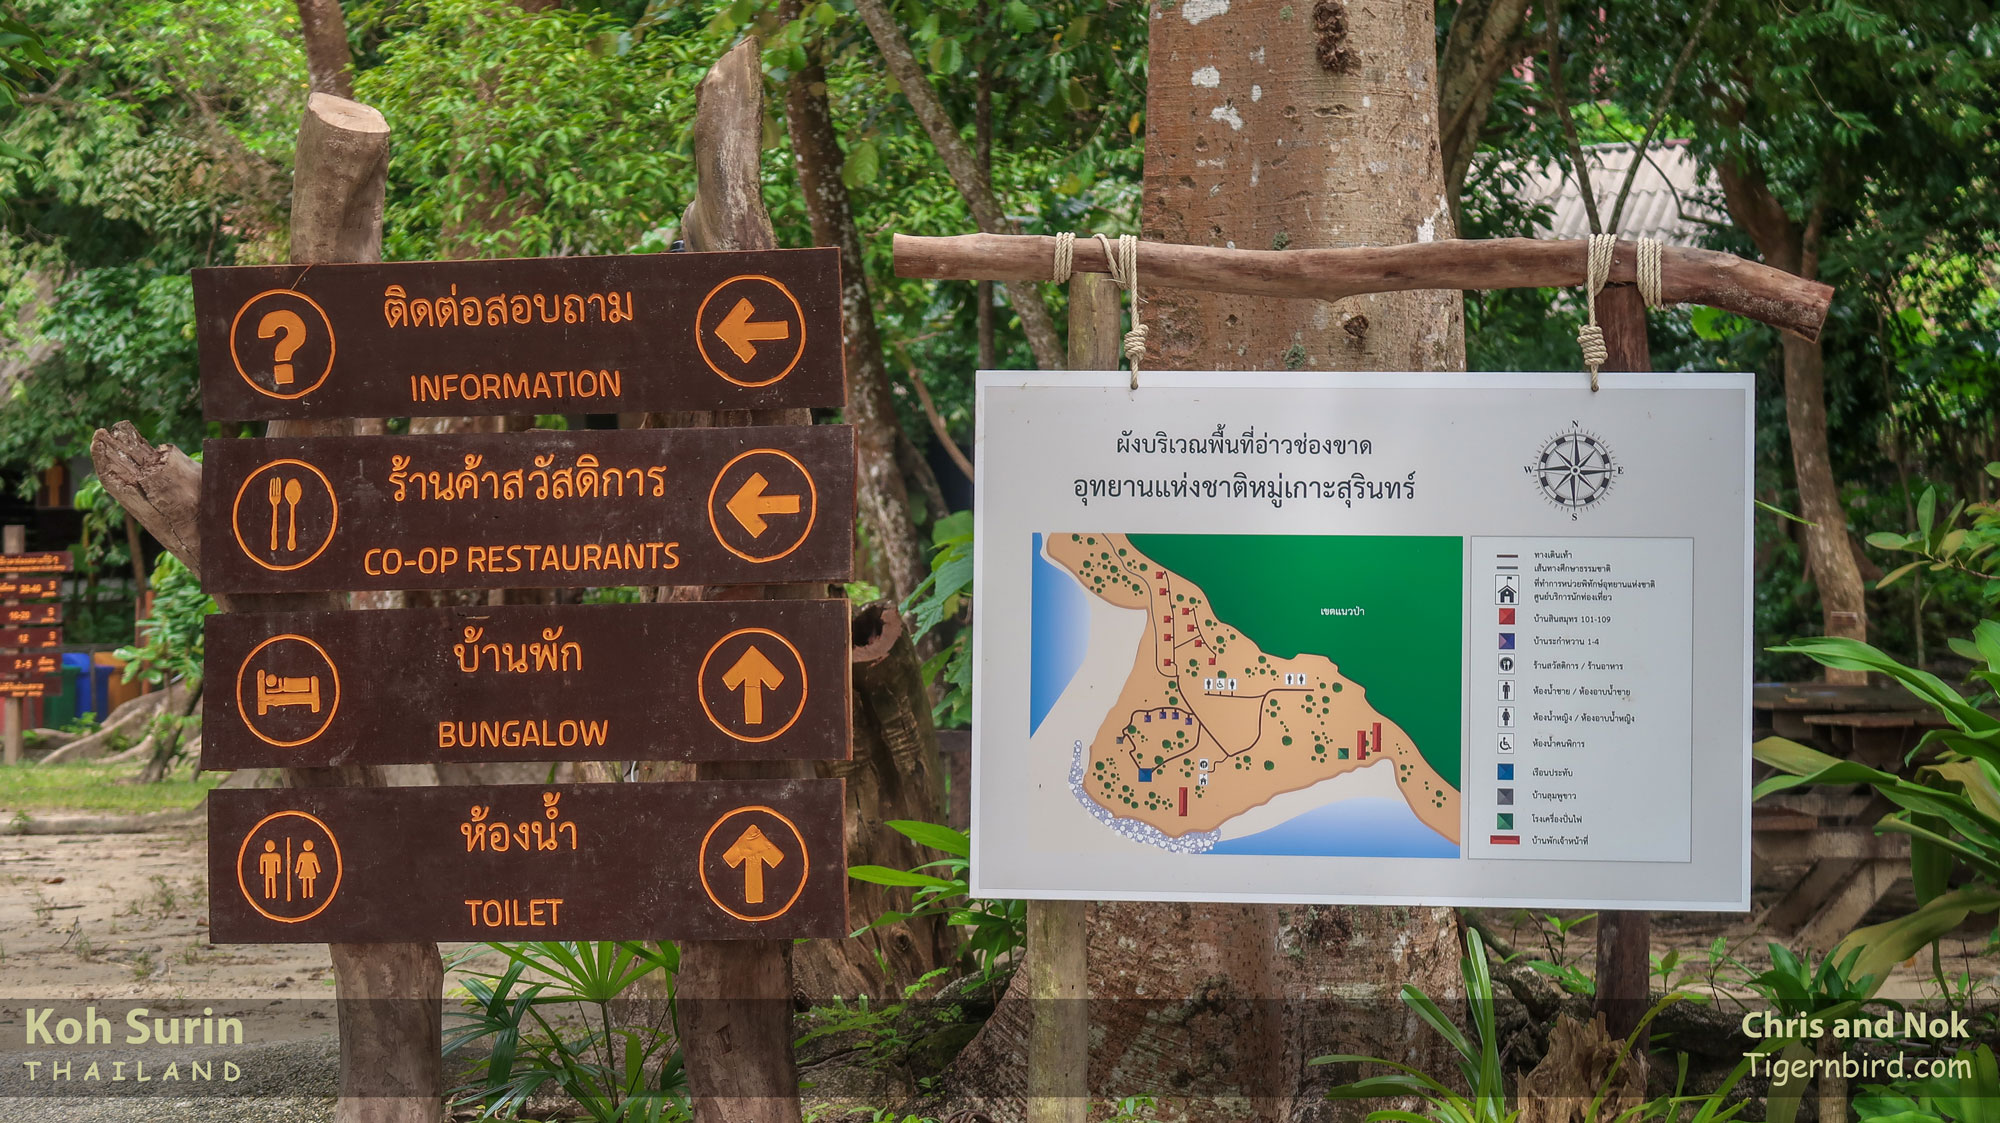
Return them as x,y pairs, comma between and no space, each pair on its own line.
1403,646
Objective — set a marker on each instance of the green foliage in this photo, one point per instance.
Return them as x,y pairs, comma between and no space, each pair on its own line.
1944,545
533,134
620,1069
1795,988
999,928
1485,1100
1560,964
170,644
1485,1097
1948,806
1973,1097
940,598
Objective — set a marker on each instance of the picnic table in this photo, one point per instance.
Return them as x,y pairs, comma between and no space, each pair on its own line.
1831,831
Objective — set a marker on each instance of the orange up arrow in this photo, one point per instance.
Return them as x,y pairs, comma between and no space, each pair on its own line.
753,674
743,334
753,852
750,504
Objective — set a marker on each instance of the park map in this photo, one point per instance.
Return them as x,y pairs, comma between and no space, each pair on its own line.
1209,726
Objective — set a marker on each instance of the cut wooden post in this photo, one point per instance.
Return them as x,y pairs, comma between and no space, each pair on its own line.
736,995
1624,937
14,540
391,994
1058,933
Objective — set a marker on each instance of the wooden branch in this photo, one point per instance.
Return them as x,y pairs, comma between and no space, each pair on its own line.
1688,276
968,174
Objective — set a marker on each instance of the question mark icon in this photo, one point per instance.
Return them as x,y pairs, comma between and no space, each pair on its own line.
288,323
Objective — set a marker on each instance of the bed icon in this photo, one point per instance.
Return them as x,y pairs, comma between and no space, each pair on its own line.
273,690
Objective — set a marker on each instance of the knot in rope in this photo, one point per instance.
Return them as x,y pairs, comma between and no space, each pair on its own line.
1597,269
1124,259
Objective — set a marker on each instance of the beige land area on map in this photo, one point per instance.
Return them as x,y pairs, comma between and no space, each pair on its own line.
1201,691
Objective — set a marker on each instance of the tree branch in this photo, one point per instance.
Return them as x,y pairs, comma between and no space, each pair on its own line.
963,168
1660,110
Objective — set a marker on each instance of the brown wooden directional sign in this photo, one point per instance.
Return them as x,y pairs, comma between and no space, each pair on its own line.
523,510
27,688
29,615
30,637
725,859
29,588
533,335
30,665
48,561
742,680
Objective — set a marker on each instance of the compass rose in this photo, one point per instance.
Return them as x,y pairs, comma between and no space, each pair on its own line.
1574,470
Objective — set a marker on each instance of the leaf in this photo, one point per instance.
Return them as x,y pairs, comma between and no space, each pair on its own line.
1888,540
1020,17
883,875
1882,946
945,55
1896,574
933,835
862,165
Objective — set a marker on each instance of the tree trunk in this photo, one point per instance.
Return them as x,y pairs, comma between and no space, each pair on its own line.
895,774
1482,43
871,406
736,995
329,64
1293,136
960,164
1788,245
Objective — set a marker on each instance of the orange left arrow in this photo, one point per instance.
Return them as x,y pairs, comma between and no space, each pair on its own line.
753,674
753,852
742,334
749,505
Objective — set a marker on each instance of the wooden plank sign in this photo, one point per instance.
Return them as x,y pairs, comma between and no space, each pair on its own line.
29,588
28,687
30,615
526,510
14,666
743,680
725,859
535,335
30,637
48,561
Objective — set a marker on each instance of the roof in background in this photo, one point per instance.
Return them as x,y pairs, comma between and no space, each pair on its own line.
1670,185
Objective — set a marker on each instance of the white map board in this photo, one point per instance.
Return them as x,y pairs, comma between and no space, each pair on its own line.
1477,639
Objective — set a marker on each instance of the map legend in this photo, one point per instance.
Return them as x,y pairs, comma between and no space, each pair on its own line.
1591,709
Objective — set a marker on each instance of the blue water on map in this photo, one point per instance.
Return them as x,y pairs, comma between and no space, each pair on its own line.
1364,827
1058,634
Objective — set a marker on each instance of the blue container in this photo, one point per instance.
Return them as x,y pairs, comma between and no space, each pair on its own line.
77,664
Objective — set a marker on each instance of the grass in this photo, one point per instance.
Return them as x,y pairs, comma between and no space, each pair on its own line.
91,786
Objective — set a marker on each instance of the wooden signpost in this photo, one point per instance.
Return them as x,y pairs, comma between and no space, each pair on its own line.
674,681
47,561
31,615
719,860
31,588
528,510
25,631
529,336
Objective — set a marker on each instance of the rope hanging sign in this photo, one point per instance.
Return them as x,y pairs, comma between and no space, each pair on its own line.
1124,263
1597,270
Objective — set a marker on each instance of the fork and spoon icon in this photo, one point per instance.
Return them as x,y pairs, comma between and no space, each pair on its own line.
290,492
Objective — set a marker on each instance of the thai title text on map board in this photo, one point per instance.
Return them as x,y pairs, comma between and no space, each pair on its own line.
1371,638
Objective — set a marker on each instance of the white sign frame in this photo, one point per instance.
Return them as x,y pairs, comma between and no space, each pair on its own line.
1682,447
